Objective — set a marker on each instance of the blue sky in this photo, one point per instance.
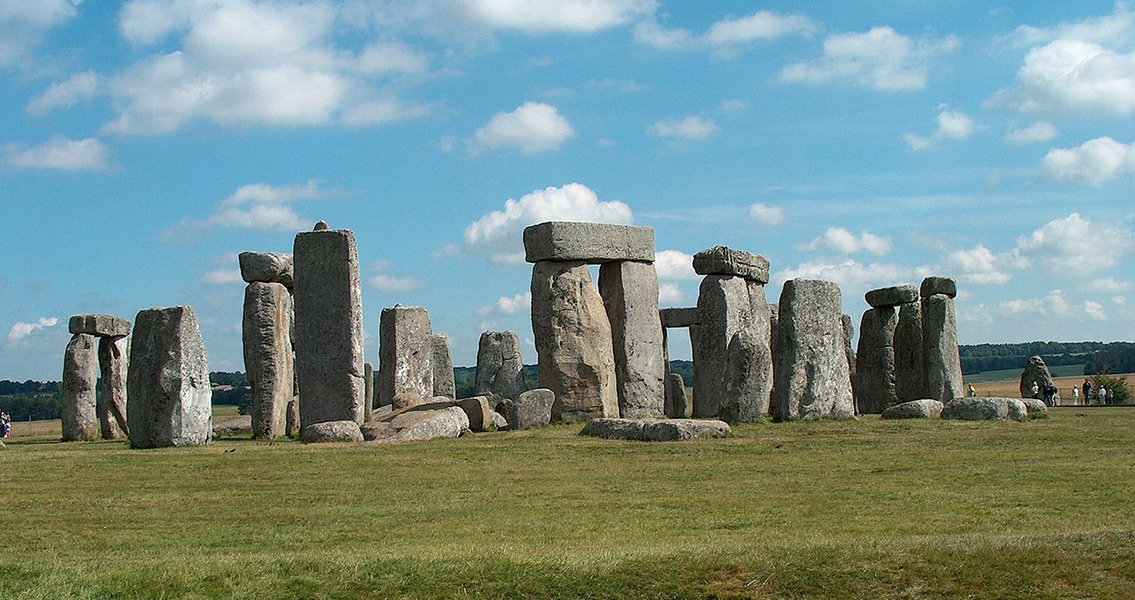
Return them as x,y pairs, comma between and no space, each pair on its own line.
143,144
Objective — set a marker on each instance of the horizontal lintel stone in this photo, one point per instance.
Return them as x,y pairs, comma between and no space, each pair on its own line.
892,296
100,325
679,317
588,242
722,260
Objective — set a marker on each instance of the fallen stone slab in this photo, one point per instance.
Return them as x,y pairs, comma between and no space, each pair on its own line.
988,409
678,317
331,431
239,425
267,267
615,429
649,430
420,423
99,325
530,410
1036,408
939,285
588,242
722,260
478,411
915,409
891,296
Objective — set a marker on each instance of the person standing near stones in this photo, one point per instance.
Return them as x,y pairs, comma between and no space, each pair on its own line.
971,391
1087,388
5,425
1036,391
1103,395
1075,395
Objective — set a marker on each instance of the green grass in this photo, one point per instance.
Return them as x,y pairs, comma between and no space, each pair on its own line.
869,509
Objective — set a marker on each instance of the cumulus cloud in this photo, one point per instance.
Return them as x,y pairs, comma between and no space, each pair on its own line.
1052,305
727,36
65,94
880,59
551,16
1095,310
979,265
690,128
382,281
499,233
952,124
843,241
508,305
763,214
60,153
673,265
669,293
23,25
1041,131
533,127
222,277
1094,162
854,278
262,207
1071,246
22,330
1110,285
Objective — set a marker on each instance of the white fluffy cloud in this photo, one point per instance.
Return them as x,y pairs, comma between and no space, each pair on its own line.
66,93
1094,162
23,24
690,128
262,207
952,124
508,305
382,281
60,153
1109,285
533,127
673,265
727,35
763,214
1072,246
1041,131
979,265
1052,305
499,233
222,277
544,16
669,294
1095,310
854,278
844,242
880,59
22,330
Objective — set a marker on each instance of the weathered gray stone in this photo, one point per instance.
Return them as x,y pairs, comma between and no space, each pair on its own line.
99,325
239,425
1034,408
646,430
442,363
722,260
677,407
573,341
941,361
1036,372
875,361
268,358
892,296
531,409
678,317
748,379
168,381
848,328
915,409
500,369
499,421
80,376
111,406
910,375
331,431
292,428
267,267
630,296
477,411
329,327
811,375
939,285
724,308
773,321
408,400
405,353
368,388
587,242
614,429
425,422
978,409
376,430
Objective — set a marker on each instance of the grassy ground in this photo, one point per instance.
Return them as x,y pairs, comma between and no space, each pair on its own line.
868,509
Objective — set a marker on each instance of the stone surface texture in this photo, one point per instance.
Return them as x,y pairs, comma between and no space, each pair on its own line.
587,242
910,376
292,428
915,409
722,260
938,285
748,378
268,358
329,327
724,309
677,406
99,325
848,327
1034,408
977,409
421,423
77,391
500,369
111,406
811,376
478,412
875,361
368,388
891,296
942,362
405,353
267,267
168,381
630,296
647,430
531,409
1035,372
573,341
331,431
442,363
678,317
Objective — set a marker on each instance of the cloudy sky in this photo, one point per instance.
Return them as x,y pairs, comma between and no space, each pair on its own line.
143,144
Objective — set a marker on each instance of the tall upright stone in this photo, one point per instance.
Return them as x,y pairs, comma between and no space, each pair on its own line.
875,361
445,384
677,407
630,296
910,376
941,360
573,341
168,381
111,406
1036,372
78,394
811,375
329,326
368,388
724,309
748,379
268,358
500,369
405,356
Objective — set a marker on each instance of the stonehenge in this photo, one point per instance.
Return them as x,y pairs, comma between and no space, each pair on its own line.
405,357
88,413
941,361
80,373
812,379
267,337
500,369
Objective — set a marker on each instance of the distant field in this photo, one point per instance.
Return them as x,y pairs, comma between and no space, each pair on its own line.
1012,387
1011,374
860,510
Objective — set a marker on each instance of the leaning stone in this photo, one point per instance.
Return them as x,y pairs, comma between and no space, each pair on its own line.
748,379
678,317
915,409
405,353
811,377
531,409
332,431
111,406
78,394
99,325
267,267
875,361
941,359
168,381
939,285
677,407
573,341
676,430
614,429
268,356
723,310
500,369
478,411
910,376
630,295
978,409
442,363
587,242
892,296
329,327
1036,372
722,260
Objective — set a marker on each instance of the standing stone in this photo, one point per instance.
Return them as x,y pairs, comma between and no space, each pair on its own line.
268,356
500,370
848,335
329,327
168,381
942,362
630,295
80,376
723,309
677,407
292,428
875,361
811,376
1035,372
910,378
748,379
573,341
368,388
405,355
112,401
444,381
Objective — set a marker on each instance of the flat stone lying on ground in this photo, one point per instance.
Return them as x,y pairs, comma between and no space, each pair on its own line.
100,325
418,423
891,296
529,410
648,430
588,242
331,431
915,409
1036,408
267,267
939,285
500,369
977,409
478,411
630,296
722,260
77,390
239,425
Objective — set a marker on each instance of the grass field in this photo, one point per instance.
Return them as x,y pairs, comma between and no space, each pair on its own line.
867,509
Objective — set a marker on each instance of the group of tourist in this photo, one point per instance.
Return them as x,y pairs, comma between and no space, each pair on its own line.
1050,395
5,425
1101,394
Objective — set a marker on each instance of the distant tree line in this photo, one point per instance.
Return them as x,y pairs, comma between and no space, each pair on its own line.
1117,357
